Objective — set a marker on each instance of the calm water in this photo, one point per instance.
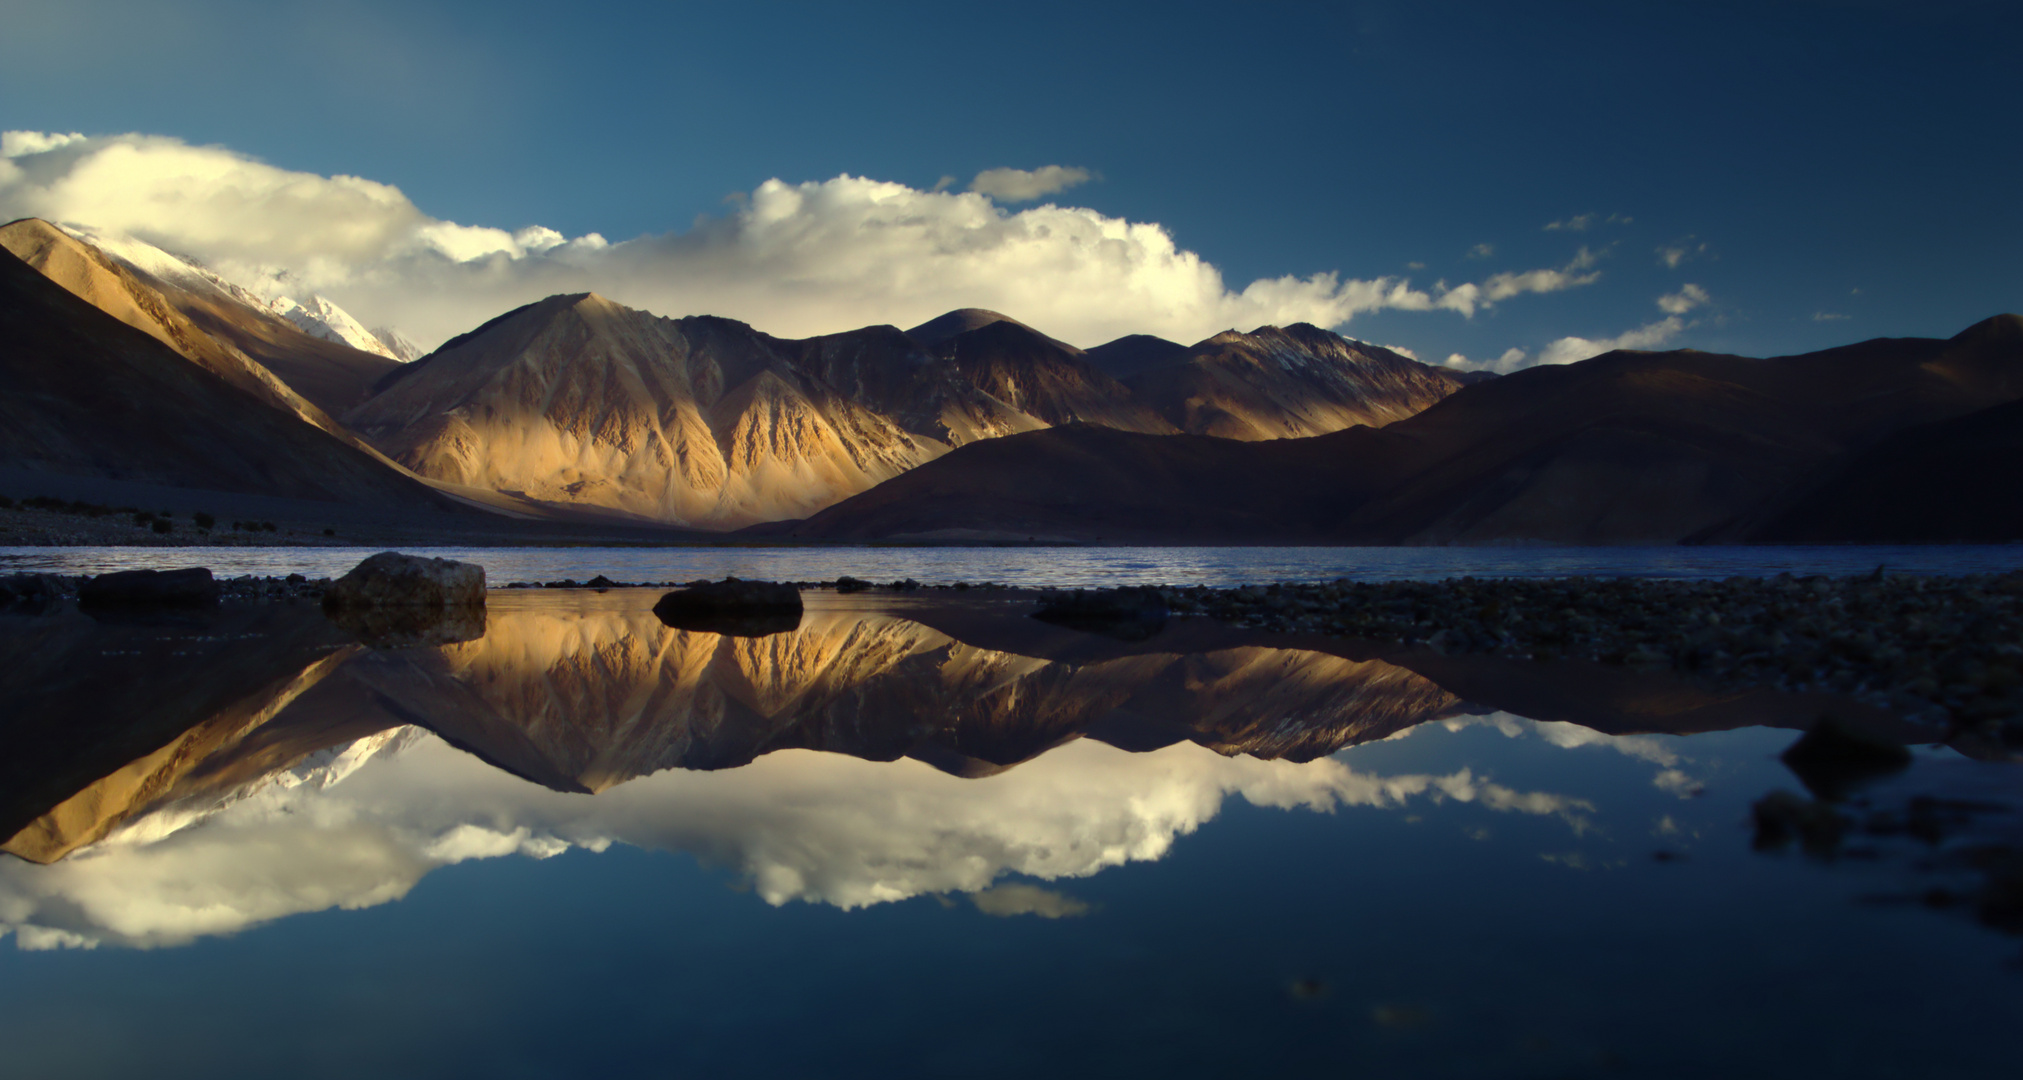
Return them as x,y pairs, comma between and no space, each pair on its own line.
1056,567
912,840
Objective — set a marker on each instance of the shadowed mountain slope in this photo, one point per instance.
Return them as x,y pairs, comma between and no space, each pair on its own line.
137,299
91,396
208,319
1623,448
1134,353
1950,481
1092,483
962,320
1045,379
1278,383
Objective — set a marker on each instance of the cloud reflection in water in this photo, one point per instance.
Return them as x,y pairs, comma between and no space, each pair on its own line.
797,825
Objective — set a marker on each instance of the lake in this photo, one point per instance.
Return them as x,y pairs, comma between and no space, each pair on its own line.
921,837
1053,567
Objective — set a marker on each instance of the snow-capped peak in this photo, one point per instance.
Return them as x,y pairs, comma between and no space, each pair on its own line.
403,347
320,318
268,291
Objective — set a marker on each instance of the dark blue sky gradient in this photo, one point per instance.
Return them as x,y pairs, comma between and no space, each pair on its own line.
1815,148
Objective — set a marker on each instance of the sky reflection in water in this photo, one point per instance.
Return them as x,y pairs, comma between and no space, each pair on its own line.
1432,886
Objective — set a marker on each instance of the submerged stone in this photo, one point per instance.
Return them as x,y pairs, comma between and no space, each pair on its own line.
1835,758
733,607
1130,614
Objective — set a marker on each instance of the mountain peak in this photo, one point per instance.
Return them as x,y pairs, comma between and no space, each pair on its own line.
1989,331
962,320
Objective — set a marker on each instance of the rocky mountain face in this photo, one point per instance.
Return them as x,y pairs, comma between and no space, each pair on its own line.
136,298
90,395
1953,480
707,422
1624,448
1281,383
578,406
316,349
1044,379
578,400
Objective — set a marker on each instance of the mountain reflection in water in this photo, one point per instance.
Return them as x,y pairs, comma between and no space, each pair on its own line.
958,744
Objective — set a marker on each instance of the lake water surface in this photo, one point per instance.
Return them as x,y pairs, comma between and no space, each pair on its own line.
1050,567
917,838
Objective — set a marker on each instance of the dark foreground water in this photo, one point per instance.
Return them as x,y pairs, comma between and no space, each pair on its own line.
1057,567
915,840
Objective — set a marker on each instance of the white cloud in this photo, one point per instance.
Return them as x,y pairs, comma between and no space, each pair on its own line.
1481,251
1583,222
19,143
1827,316
1466,299
1568,350
1686,299
1017,899
1674,254
793,258
1025,185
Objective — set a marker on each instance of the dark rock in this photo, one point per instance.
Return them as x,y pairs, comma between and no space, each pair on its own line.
1834,759
1783,816
733,607
32,594
1128,614
193,587
600,582
851,585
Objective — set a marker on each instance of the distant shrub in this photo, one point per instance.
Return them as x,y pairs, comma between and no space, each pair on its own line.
267,525
6,502
144,517
204,521
162,525
330,532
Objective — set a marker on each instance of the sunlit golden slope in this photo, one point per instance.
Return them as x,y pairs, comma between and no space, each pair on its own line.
579,400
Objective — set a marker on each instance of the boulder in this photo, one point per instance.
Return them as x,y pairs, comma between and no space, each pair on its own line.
390,579
731,606
395,601
32,593
193,587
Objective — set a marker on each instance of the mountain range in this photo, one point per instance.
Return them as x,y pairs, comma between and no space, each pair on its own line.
974,426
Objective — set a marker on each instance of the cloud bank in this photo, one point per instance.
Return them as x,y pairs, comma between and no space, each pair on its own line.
1570,350
791,258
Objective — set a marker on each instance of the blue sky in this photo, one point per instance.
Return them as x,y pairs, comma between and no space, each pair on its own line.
1827,171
